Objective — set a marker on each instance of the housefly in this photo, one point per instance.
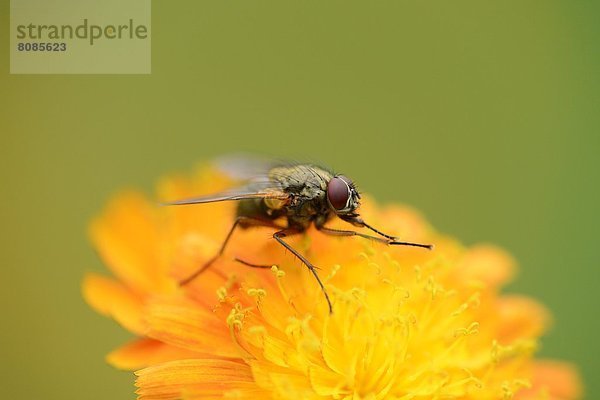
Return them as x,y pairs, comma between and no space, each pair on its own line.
290,197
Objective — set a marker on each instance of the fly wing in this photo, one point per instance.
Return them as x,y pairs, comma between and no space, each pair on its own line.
255,190
246,167
257,174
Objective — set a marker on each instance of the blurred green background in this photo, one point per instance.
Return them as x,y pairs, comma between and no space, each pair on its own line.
484,115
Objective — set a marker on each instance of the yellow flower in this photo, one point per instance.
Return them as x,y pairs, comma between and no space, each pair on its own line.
407,323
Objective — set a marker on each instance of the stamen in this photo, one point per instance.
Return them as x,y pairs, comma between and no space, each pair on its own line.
279,274
331,274
509,388
235,321
222,294
258,293
472,302
472,329
520,347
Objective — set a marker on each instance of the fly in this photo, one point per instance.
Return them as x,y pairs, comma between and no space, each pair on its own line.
290,198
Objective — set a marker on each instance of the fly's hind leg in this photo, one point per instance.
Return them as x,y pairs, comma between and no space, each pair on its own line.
238,221
279,235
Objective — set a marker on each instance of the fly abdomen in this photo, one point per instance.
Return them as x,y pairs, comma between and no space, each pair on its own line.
257,208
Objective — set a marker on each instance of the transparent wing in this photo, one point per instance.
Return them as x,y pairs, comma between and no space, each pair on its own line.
260,179
258,189
246,167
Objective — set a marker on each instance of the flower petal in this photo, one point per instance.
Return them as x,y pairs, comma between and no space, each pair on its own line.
128,240
521,317
144,352
195,378
113,299
554,380
488,264
184,323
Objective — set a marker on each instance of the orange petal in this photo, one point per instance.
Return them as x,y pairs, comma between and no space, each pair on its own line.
234,390
195,378
521,317
488,264
184,323
113,299
554,380
144,352
404,222
205,218
128,240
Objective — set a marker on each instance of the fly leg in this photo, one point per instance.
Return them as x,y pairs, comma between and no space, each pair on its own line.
385,240
238,221
249,264
361,223
279,235
340,232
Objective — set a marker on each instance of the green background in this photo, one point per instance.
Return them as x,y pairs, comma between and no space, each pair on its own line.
484,115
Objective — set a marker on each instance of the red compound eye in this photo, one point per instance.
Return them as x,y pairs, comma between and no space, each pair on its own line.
338,193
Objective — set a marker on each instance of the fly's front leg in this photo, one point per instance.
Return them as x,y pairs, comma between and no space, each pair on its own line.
357,221
238,221
340,232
